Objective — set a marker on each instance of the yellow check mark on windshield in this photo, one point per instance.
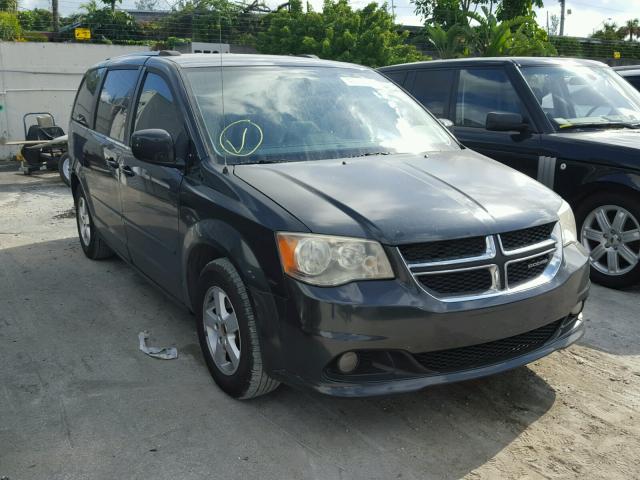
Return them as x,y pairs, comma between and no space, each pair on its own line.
238,150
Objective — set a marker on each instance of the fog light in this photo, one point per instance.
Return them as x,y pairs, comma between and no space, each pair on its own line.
577,308
347,362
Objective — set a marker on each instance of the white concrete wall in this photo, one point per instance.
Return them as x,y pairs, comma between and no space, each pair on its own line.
43,77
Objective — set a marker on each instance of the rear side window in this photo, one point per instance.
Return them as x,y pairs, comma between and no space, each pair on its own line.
481,91
83,108
432,88
115,103
396,77
635,81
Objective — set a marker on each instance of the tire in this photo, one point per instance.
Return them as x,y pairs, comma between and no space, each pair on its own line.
609,228
63,169
234,336
92,244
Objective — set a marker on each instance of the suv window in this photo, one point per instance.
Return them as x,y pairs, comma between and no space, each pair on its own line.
83,108
432,88
481,91
397,77
157,108
115,99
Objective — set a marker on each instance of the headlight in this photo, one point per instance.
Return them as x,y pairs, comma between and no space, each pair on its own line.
567,224
328,261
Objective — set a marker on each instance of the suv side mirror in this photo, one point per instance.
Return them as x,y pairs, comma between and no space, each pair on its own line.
446,123
154,146
505,122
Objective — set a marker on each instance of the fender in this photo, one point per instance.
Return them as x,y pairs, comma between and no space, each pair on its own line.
577,179
213,238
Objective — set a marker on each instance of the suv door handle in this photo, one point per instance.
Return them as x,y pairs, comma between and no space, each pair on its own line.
127,170
112,163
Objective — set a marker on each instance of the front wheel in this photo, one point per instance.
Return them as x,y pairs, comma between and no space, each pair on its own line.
228,333
609,227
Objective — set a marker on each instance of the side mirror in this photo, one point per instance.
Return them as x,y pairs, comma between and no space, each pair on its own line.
505,122
154,146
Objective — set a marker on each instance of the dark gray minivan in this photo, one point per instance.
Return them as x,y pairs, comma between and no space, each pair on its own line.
323,227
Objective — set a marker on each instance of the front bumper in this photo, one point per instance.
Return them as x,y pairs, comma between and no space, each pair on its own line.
397,316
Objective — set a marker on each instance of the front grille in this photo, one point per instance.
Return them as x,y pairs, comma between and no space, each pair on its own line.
444,250
525,270
462,282
526,237
476,356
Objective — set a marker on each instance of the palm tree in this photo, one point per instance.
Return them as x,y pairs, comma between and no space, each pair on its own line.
633,28
448,43
490,37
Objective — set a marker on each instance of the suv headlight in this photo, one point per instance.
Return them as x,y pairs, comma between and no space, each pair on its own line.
325,260
567,224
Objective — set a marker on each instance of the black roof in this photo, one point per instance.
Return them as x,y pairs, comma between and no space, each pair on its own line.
191,60
628,70
520,61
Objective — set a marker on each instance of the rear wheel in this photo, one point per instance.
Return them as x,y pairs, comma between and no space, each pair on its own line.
92,245
63,169
609,226
228,333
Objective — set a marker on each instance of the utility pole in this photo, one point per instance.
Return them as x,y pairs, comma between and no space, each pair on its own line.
562,2
55,16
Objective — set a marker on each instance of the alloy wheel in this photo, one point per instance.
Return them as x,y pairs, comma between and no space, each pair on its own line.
222,331
611,234
84,222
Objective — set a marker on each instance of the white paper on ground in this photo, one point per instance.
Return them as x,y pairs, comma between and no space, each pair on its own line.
164,353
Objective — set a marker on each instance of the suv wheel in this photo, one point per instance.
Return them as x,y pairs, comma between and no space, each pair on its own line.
609,228
63,169
92,245
227,332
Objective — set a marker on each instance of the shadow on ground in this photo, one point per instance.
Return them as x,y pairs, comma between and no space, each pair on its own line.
78,400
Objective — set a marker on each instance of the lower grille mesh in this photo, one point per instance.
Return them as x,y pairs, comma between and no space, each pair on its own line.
476,356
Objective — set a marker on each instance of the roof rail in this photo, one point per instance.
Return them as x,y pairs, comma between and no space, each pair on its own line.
169,53
308,55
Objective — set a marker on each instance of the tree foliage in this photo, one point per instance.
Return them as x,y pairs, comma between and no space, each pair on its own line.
609,31
107,24
212,21
367,36
9,26
37,19
509,9
447,43
447,13
8,5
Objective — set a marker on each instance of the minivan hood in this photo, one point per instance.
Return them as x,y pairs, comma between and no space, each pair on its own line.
405,198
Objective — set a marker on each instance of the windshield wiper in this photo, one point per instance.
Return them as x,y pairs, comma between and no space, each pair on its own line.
573,126
370,154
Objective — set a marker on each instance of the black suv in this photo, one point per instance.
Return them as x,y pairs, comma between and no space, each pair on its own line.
323,227
574,125
631,73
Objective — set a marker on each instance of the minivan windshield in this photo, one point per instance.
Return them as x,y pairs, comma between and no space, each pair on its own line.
276,114
575,96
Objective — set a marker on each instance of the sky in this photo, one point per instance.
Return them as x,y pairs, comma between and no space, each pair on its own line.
586,15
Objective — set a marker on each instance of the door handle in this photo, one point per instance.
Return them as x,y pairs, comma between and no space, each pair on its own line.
112,163
127,170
